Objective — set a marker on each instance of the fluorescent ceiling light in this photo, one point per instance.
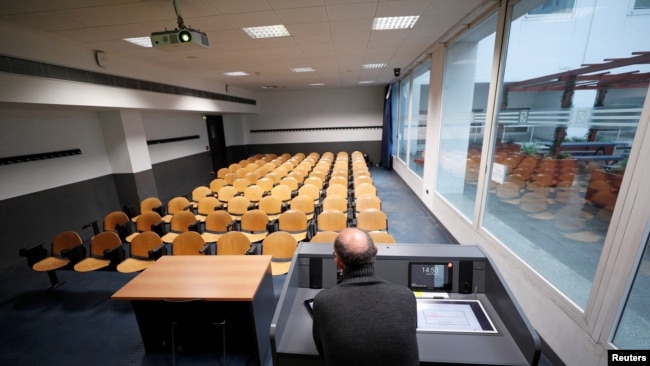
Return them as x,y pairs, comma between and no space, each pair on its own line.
236,73
406,22
268,31
140,41
316,84
367,82
302,69
373,66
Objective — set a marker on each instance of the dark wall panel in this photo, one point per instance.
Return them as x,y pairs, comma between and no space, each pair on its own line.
372,148
178,177
38,217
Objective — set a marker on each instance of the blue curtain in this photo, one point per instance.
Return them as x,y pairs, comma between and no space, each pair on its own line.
387,132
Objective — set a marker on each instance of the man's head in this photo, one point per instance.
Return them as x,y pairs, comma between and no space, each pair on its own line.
354,248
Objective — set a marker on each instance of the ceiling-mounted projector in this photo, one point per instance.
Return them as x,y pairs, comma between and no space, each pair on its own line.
179,39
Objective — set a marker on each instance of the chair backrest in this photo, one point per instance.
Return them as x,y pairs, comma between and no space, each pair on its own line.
113,219
237,206
293,220
325,237
226,193
177,204
335,202
283,192
337,189
240,184
254,193
149,204
230,177
290,182
217,183
252,176
313,180
382,237
222,172
332,220
372,219
146,220
364,188
304,204
310,190
188,243
200,192
143,243
254,221
104,241
207,205
279,245
181,221
218,221
272,205
65,240
265,183
233,243
367,201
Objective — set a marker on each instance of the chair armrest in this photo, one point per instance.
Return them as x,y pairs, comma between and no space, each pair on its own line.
195,226
251,251
33,254
115,255
273,226
74,254
252,206
123,230
206,250
158,252
159,228
160,210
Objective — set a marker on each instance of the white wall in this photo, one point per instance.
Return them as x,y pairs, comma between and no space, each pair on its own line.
322,108
158,125
32,131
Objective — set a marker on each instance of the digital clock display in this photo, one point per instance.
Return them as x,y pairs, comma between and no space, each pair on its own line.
430,276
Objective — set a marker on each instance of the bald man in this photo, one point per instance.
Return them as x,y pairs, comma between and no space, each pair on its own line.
364,320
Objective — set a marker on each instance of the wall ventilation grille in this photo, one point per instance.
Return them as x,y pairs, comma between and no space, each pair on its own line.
347,128
40,156
173,139
33,68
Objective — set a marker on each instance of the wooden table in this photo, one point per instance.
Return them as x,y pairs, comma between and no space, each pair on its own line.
197,293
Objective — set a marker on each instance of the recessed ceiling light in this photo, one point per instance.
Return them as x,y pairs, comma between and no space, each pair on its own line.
236,73
140,41
269,86
267,31
395,22
367,82
303,69
373,66
316,84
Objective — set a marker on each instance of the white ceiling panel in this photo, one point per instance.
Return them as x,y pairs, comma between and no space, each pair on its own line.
333,36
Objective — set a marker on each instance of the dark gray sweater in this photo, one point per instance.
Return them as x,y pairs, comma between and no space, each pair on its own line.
365,320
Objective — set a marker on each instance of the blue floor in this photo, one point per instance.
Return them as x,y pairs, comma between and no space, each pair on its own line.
78,324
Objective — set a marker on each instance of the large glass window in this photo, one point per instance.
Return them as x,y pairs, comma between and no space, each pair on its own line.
418,126
570,100
402,143
468,64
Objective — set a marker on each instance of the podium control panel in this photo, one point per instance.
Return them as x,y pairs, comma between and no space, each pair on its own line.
466,313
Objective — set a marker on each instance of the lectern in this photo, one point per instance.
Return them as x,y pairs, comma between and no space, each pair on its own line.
466,313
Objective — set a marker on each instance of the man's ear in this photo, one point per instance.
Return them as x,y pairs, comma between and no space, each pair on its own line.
338,262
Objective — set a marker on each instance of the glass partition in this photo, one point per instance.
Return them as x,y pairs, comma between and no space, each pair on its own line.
418,126
402,144
574,84
468,63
